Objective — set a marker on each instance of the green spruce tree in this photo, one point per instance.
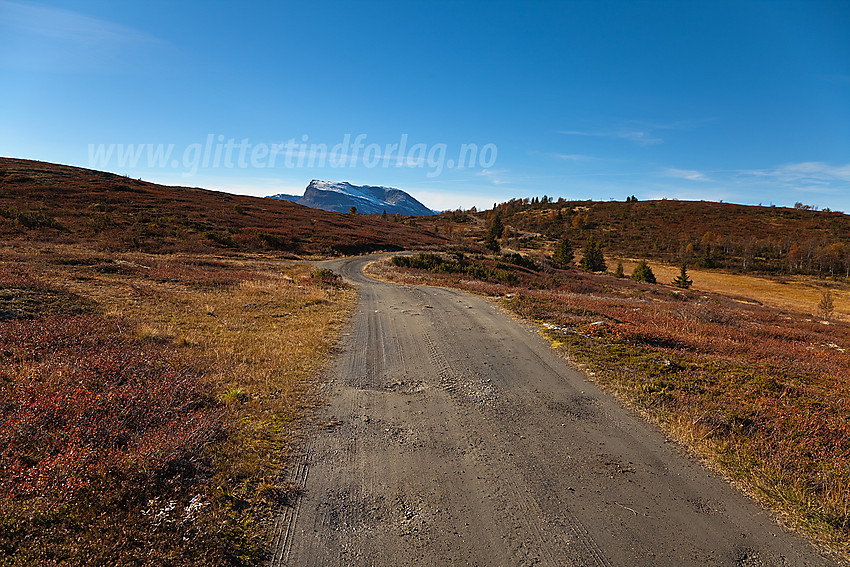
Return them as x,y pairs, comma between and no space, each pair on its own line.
682,280
643,273
593,260
619,273
563,256
493,233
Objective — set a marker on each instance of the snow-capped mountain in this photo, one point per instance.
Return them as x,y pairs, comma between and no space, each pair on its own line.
366,199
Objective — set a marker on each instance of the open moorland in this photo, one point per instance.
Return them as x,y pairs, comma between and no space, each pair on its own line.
157,351
149,402
160,347
60,204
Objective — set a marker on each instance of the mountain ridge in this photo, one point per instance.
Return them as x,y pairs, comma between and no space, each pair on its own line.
368,199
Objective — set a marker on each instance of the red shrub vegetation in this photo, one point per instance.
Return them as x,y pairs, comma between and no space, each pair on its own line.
93,420
44,202
82,403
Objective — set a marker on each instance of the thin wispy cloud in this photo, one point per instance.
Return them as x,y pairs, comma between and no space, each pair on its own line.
65,24
442,201
494,176
641,137
689,174
785,183
574,157
809,173
641,132
816,170
43,37
675,125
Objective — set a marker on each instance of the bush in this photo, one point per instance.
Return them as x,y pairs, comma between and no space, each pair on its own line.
826,306
520,260
706,260
437,265
643,273
30,219
420,261
325,276
223,238
274,241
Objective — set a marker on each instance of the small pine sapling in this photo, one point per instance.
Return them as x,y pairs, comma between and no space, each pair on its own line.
682,280
619,273
643,273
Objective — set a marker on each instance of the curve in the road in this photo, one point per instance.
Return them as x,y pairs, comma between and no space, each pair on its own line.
453,435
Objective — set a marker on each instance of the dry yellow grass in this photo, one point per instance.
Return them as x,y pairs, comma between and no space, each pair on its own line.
262,342
795,293
257,328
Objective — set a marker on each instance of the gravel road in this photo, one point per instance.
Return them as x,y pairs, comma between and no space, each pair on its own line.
454,435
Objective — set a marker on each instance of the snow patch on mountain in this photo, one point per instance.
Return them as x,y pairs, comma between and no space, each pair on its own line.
367,199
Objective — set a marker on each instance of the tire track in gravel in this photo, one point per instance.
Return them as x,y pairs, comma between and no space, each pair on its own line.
460,438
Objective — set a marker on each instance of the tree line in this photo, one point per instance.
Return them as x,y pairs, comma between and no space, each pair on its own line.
746,239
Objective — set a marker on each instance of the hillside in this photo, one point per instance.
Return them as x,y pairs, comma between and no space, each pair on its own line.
747,238
56,203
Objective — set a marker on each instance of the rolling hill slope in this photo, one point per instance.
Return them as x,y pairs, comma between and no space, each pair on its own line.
56,203
737,237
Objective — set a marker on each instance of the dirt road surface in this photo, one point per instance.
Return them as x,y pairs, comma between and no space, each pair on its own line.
454,435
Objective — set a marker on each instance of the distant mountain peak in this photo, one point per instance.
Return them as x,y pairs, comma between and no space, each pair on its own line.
367,199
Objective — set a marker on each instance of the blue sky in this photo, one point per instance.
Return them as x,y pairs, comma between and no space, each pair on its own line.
459,103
